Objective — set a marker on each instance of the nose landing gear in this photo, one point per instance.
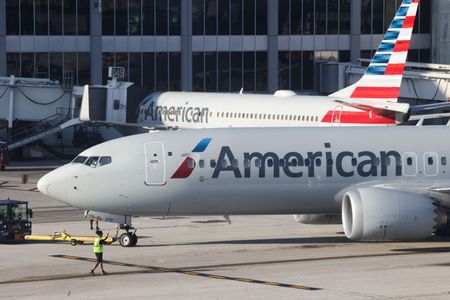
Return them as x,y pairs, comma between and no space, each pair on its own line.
128,238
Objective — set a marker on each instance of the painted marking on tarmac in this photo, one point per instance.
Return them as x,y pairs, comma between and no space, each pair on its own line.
3,182
193,273
185,270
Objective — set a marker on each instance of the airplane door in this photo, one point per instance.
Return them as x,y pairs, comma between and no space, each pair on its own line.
409,164
336,117
155,172
430,164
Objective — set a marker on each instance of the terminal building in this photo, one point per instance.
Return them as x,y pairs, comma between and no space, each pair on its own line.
49,47
205,45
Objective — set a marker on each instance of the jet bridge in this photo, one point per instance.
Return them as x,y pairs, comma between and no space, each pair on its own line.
31,109
421,83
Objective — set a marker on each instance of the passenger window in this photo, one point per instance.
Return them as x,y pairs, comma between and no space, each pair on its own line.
307,162
282,162
105,160
377,161
92,161
246,163
234,163
444,161
318,162
409,161
270,163
213,163
223,163
201,163
294,162
387,161
258,163
191,164
430,161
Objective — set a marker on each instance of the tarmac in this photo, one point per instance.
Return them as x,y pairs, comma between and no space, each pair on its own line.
256,257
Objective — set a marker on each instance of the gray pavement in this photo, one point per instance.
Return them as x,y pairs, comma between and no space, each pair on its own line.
256,257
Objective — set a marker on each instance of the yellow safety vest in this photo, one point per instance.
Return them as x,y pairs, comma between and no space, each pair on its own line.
98,248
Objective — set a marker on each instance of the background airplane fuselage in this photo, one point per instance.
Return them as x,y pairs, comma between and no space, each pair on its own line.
220,110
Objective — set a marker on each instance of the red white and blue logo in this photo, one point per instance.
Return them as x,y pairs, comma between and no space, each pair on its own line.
188,165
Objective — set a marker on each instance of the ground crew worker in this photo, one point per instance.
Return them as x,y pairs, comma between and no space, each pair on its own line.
98,250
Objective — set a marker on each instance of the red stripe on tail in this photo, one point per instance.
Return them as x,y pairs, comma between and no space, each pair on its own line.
394,69
409,22
376,92
401,46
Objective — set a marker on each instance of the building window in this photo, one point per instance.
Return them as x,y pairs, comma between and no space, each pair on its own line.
44,17
12,17
229,71
222,17
298,70
307,17
377,15
136,17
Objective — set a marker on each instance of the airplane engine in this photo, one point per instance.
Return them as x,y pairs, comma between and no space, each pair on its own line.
377,214
318,219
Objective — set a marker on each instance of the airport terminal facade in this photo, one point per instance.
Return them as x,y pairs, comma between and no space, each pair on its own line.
204,45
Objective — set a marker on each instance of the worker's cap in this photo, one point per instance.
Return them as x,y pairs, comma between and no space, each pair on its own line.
99,232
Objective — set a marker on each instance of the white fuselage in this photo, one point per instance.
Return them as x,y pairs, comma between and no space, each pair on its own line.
250,171
220,110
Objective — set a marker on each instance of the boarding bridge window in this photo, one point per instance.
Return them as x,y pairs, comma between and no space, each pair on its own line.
105,160
79,160
92,161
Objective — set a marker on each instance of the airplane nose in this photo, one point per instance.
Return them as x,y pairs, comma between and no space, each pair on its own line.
42,185
53,185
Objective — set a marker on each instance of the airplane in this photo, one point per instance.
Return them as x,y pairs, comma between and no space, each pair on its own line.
388,183
370,101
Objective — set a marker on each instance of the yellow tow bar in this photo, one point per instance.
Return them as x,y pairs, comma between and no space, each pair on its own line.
65,237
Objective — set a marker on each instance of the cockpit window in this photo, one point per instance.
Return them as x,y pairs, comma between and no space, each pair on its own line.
79,159
105,160
92,161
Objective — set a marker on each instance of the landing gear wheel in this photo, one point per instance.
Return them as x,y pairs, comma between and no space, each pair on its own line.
134,240
73,242
126,240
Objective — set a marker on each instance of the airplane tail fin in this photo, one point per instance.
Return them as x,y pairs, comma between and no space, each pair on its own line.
383,77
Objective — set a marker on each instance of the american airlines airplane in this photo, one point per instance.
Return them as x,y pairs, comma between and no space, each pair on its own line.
389,183
370,101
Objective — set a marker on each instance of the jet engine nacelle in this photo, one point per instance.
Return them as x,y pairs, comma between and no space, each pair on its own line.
377,214
318,219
